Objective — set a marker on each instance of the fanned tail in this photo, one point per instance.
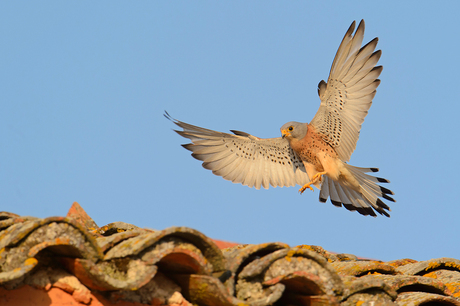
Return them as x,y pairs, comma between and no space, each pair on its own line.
365,199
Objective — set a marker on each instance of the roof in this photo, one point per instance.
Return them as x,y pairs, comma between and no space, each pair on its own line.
71,257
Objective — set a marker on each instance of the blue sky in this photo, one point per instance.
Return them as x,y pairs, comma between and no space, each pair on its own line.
84,86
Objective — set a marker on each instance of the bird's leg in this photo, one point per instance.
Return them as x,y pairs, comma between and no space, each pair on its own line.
301,190
317,177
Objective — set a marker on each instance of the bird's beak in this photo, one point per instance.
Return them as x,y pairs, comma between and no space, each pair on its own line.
284,133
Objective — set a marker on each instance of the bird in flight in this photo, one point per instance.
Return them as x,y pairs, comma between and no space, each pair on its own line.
309,154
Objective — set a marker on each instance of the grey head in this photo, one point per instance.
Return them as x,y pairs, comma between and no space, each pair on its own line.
294,130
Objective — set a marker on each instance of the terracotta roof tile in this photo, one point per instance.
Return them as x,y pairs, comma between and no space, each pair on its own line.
361,268
367,289
419,298
122,263
423,267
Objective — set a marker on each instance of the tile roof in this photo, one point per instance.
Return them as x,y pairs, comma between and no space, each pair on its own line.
125,265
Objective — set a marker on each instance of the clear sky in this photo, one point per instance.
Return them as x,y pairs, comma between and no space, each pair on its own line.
83,87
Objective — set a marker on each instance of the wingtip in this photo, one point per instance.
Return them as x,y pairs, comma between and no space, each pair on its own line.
187,146
168,116
351,28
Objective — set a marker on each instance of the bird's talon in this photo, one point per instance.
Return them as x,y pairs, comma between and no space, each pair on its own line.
301,190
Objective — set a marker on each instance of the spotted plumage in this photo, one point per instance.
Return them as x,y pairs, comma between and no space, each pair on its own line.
312,153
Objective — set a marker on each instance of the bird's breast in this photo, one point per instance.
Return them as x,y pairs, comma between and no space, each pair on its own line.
309,147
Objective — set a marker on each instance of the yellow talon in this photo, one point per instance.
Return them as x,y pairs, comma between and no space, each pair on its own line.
316,177
301,190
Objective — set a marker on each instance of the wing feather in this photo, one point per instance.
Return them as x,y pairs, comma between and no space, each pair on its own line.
348,94
342,53
365,60
370,89
243,158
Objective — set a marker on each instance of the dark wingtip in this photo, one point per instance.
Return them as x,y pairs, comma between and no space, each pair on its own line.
322,200
361,23
182,133
374,169
380,67
382,180
352,27
188,146
168,116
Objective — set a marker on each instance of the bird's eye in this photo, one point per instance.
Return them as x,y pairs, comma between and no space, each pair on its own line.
290,128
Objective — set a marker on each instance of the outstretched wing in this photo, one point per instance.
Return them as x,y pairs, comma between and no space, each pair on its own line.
348,94
243,158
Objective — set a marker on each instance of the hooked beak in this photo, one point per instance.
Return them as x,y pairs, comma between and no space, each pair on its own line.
285,133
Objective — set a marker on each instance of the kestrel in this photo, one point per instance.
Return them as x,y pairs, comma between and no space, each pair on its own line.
314,153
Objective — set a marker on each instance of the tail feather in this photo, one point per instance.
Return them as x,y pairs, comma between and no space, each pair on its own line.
366,200
333,193
342,194
360,204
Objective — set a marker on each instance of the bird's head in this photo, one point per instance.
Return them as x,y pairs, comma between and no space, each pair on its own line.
294,130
